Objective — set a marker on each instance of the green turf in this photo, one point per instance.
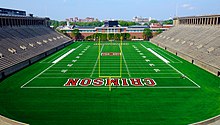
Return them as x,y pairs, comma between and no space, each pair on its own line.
43,98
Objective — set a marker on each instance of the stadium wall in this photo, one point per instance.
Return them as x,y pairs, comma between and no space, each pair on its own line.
1,75
37,58
15,68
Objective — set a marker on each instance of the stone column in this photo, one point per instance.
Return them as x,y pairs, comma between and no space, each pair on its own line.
206,20
214,21
217,21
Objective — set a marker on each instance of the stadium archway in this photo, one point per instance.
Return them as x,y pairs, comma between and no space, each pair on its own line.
218,73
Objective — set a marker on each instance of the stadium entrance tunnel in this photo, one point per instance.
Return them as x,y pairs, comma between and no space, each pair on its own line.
218,73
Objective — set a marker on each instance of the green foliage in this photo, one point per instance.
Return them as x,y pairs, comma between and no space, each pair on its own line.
62,23
154,21
169,22
148,23
159,31
125,36
76,34
54,23
147,33
126,23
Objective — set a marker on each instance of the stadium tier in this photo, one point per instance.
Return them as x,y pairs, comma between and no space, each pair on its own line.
194,42
24,40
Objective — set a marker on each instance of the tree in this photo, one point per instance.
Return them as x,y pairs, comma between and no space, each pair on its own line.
125,36
111,36
153,21
169,22
147,24
76,34
54,23
147,34
127,23
159,31
62,23
117,36
104,37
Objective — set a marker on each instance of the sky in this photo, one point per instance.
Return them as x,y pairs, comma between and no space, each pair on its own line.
114,9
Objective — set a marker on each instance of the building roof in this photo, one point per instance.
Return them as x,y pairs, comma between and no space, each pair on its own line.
85,27
139,26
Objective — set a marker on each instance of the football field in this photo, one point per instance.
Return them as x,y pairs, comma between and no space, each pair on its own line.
136,60
110,83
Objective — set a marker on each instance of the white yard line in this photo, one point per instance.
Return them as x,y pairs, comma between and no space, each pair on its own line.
134,70
37,75
184,75
164,55
66,54
55,54
125,63
165,87
157,55
68,77
96,61
167,62
42,72
106,73
138,68
170,55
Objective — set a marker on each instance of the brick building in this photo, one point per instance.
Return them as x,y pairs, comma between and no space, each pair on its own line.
136,32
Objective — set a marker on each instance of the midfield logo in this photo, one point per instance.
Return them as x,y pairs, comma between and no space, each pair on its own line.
99,82
110,54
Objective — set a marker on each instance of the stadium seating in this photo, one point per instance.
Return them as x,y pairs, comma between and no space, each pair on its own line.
195,43
21,46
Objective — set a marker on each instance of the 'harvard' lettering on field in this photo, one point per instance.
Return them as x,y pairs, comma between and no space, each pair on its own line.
136,82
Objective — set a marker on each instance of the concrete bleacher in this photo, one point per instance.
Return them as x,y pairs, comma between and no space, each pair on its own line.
21,46
195,43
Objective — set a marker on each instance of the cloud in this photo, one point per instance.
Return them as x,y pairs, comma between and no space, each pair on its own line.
188,6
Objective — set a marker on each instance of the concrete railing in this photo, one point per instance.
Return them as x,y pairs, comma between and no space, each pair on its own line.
7,121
